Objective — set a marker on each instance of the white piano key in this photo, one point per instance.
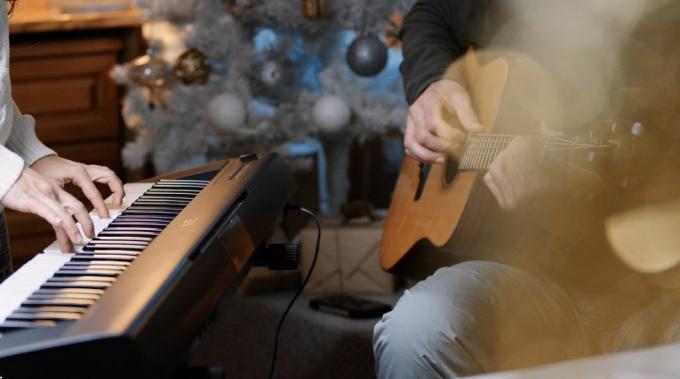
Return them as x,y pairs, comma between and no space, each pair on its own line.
132,192
26,280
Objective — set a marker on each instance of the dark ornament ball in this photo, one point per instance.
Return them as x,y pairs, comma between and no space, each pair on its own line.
367,55
191,67
273,78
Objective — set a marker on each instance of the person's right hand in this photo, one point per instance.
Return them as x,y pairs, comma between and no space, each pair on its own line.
428,136
32,193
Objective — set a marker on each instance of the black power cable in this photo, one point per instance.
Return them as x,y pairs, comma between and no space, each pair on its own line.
302,286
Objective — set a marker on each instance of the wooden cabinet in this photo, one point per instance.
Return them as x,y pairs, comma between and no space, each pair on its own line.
62,79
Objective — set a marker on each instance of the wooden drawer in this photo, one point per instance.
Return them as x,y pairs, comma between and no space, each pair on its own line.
65,85
105,153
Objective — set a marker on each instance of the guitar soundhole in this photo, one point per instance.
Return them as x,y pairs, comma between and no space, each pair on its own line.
450,170
423,172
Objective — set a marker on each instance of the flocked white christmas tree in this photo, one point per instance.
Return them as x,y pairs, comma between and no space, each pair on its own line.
226,77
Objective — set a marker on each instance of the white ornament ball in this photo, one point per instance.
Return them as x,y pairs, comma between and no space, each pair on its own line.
331,113
227,112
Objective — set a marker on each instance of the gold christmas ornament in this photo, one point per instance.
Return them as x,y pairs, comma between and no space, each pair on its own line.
191,67
314,8
392,28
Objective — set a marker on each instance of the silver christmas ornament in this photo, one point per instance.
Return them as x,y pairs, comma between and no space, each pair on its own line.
273,77
367,55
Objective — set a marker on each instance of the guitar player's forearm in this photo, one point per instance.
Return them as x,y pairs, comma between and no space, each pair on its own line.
435,33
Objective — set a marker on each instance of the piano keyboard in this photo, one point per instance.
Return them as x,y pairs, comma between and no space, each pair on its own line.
54,286
133,301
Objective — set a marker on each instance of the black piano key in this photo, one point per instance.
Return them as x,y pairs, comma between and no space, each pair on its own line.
198,181
87,278
61,302
122,238
161,200
99,270
180,183
79,265
98,247
175,188
14,325
51,308
130,229
183,197
166,198
154,206
145,212
117,233
127,223
75,303
174,191
102,257
138,224
64,295
54,316
61,291
109,252
150,218
119,241
183,186
144,218
91,272
81,284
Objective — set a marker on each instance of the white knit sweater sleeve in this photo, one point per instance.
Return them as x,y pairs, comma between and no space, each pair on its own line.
11,166
19,145
23,140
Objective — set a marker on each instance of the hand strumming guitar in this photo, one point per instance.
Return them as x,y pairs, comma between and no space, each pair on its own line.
514,175
428,137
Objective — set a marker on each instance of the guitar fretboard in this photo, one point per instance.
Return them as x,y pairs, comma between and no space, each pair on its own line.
482,148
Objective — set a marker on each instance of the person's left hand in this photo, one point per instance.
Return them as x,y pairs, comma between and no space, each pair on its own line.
63,171
516,173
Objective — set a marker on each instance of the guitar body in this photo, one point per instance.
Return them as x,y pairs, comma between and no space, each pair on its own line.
462,216
435,216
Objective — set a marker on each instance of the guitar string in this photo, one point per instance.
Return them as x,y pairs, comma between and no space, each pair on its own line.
466,156
481,155
498,147
481,145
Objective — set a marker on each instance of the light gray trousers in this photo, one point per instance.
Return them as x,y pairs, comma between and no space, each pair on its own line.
476,317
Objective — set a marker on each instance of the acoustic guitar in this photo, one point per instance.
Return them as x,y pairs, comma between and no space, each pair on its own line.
443,204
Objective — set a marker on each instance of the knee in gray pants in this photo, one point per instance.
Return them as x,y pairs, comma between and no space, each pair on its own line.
470,318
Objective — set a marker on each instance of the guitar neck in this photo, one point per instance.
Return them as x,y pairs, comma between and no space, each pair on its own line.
481,149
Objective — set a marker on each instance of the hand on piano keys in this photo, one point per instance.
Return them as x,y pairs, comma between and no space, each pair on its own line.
56,286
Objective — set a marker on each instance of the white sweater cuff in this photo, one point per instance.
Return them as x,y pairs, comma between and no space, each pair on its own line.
24,141
11,167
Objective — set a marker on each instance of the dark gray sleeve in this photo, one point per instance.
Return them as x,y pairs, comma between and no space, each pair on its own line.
435,33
